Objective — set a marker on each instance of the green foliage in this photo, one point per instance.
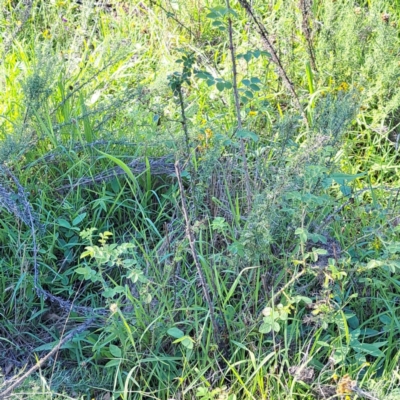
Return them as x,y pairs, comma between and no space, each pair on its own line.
304,284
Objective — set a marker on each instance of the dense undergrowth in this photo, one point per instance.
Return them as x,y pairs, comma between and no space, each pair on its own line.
199,200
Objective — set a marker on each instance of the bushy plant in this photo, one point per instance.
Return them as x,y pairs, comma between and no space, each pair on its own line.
244,158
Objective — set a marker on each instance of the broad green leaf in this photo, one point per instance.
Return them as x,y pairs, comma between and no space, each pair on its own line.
78,219
340,353
265,53
188,343
220,86
247,56
212,15
393,248
89,252
185,340
217,23
319,251
265,328
254,87
346,190
303,234
341,178
203,75
371,349
175,332
113,363
385,319
109,292
283,315
64,223
115,351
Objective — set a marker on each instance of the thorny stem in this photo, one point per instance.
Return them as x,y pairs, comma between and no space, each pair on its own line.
184,121
274,56
305,6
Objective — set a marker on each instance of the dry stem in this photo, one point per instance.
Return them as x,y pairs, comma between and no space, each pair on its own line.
274,56
8,391
190,236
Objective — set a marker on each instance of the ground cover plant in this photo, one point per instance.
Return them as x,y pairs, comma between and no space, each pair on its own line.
199,199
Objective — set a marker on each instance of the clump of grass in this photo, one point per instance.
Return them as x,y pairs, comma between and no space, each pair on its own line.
300,274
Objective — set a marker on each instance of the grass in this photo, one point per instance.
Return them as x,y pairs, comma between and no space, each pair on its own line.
292,297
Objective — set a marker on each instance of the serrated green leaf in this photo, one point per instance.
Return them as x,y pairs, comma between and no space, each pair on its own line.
346,190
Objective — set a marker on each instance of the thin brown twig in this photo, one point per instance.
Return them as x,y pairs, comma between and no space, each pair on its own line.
191,238
5,393
158,166
274,56
280,291
305,7
171,15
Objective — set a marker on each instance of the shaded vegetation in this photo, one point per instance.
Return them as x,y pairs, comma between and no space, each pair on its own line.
204,196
